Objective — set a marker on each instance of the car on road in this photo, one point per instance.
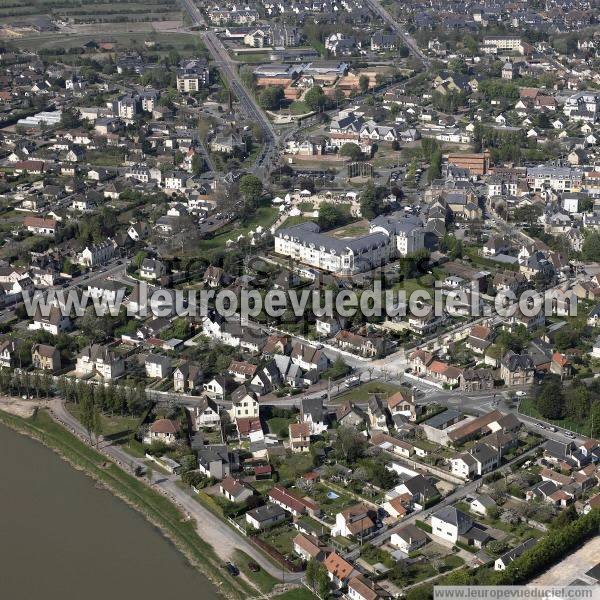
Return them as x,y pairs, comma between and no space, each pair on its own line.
570,435
551,428
520,394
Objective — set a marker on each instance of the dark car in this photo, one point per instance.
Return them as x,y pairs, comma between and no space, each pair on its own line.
233,570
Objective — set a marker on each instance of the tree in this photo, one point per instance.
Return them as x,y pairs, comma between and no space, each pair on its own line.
322,582
197,164
270,98
349,445
591,246
331,215
251,187
363,83
315,99
351,150
549,398
370,205
435,165
96,422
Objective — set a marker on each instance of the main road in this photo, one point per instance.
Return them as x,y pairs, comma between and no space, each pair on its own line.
229,72
408,40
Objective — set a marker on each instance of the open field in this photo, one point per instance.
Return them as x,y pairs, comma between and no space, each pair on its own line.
124,35
361,393
352,230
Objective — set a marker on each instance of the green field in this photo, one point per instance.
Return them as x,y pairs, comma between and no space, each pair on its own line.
360,394
114,426
261,578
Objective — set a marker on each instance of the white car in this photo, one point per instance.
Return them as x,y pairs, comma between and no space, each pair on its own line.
520,394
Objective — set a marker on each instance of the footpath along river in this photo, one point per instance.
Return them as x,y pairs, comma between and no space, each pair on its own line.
63,538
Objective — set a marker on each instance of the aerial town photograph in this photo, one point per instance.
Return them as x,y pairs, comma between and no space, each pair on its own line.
300,301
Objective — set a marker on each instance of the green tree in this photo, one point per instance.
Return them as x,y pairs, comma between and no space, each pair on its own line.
270,98
331,215
549,398
363,83
251,188
315,98
351,150
370,205
591,246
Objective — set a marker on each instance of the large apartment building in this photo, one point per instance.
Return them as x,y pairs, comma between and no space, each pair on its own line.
558,179
388,238
192,75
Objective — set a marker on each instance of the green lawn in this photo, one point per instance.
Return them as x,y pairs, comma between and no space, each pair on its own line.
113,426
361,393
158,509
261,579
353,230
280,538
299,107
278,425
291,221
332,506
293,466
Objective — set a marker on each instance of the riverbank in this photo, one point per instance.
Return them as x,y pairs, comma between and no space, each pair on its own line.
157,509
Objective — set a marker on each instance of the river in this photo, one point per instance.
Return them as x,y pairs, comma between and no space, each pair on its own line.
63,538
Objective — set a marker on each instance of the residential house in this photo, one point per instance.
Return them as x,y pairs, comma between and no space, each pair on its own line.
43,357
299,434
409,538
163,430
292,503
55,322
216,461
309,547
157,366
361,588
187,377
313,413
339,570
101,360
244,404
266,516
235,490
516,369
503,561
355,521
204,413
8,353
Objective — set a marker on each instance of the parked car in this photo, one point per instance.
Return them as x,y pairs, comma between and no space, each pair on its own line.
233,570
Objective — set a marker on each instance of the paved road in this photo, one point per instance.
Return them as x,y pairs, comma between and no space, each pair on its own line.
220,536
229,72
409,41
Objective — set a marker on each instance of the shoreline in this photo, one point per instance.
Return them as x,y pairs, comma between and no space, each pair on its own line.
208,567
